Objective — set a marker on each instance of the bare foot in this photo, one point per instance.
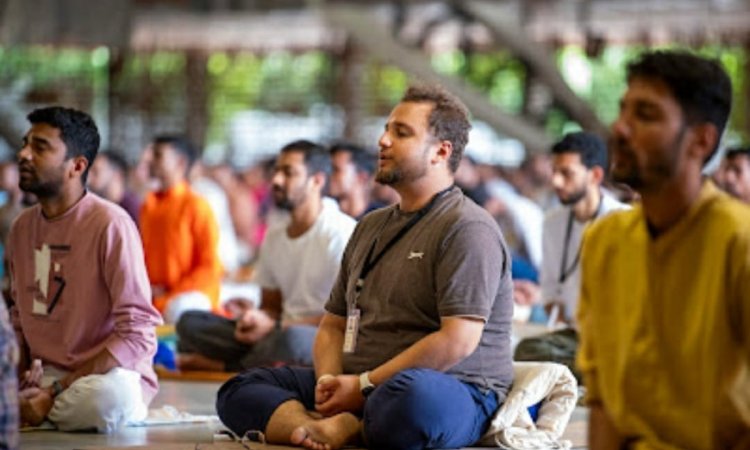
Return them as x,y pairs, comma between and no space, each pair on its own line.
196,361
330,433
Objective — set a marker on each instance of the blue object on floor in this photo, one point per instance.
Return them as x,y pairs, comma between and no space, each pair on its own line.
164,356
534,411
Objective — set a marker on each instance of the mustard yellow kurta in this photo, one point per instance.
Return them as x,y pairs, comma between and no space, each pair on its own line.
665,325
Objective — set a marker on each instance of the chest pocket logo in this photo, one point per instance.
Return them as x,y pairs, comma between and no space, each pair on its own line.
415,255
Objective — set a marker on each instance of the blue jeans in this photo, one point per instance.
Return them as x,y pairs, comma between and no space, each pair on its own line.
415,409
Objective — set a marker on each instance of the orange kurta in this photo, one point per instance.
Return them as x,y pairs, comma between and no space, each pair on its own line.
180,236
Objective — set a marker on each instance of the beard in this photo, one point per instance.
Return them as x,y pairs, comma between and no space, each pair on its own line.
625,167
402,174
41,189
573,198
287,201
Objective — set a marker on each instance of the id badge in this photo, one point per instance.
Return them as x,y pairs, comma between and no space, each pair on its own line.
352,328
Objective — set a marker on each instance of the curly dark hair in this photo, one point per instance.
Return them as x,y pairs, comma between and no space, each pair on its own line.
449,119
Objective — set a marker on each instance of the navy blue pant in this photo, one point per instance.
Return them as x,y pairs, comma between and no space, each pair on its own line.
415,409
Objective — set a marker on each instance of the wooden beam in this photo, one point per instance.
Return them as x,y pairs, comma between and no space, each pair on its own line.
542,63
378,41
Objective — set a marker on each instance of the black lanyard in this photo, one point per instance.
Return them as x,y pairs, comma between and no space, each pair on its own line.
370,262
565,270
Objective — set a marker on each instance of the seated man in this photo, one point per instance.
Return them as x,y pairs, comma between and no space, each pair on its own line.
81,299
352,178
108,179
579,162
180,235
414,349
296,270
737,173
664,310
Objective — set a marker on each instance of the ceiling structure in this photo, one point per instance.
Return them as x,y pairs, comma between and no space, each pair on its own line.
401,32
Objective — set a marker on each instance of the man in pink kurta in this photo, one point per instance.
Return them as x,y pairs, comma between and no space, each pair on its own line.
81,296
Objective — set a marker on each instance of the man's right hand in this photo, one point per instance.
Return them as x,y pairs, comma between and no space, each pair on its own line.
254,325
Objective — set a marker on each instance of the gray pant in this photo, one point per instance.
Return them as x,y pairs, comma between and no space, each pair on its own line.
213,336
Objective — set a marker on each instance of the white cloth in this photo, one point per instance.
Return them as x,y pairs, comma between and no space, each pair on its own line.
228,245
105,403
549,383
305,268
553,247
186,301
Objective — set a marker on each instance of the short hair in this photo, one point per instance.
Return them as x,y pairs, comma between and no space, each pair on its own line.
180,144
590,147
700,85
364,160
77,130
316,157
734,152
449,119
118,163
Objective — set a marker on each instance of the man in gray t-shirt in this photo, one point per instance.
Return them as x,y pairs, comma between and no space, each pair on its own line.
414,349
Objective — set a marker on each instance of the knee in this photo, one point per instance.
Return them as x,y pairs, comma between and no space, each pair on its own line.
188,322
406,404
102,402
188,301
529,349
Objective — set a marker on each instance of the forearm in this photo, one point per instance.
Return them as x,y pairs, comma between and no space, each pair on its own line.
329,342
101,363
602,432
311,320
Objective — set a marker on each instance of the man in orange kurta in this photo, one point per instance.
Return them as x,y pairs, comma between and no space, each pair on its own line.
180,235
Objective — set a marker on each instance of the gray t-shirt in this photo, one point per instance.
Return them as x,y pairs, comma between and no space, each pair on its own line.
453,262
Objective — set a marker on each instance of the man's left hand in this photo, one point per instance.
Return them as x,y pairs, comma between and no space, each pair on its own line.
35,404
346,397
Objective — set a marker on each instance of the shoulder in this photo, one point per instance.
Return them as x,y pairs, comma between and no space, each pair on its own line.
615,224
334,219
610,203
103,214
733,215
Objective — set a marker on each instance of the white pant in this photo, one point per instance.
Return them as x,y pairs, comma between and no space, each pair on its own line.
187,301
102,402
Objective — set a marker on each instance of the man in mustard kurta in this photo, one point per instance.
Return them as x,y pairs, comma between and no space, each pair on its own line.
664,311
180,235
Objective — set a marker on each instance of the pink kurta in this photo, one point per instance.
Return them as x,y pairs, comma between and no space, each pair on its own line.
91,260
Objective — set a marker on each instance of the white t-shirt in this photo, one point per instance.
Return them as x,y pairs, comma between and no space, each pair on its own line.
553,245
304,268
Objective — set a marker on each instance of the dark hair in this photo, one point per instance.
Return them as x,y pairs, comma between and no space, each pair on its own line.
449,119
77,130
700,85
738,151
181,145
316,157
364,160
590,147
118,163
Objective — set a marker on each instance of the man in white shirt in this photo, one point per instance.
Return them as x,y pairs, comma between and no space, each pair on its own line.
297,266
579,163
